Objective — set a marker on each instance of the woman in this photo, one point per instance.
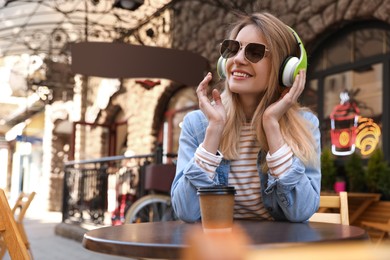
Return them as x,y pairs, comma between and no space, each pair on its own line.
254,136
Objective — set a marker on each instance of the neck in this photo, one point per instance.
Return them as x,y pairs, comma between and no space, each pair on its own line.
249,104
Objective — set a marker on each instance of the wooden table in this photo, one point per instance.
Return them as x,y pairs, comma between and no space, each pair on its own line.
166,239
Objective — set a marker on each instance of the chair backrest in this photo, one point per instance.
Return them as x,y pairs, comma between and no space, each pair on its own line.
10,232
19,211
21,205
333,202
159,177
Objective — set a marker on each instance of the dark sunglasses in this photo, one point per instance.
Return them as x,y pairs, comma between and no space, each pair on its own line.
254,52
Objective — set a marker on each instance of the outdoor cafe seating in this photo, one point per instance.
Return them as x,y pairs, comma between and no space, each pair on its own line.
12,238
340,202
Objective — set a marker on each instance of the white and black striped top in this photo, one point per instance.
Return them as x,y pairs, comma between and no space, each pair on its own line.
244,175
245,178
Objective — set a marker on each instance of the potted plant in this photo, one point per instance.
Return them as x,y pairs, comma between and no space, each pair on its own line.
384,184
376,167
378,175
355,173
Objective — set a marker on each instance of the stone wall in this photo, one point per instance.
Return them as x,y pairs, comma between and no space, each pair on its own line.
203,29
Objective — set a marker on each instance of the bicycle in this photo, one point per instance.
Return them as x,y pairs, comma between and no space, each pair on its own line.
156,204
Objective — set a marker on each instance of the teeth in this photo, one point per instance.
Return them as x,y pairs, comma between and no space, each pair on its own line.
240,74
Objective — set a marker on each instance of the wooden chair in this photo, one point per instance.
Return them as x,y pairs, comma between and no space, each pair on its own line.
332,202
382,228
19,211
11,237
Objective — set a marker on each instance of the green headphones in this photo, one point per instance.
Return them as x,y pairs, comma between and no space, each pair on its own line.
288,70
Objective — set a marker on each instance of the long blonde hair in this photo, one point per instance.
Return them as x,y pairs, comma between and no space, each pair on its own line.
295,129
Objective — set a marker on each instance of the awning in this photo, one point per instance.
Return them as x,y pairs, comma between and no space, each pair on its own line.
121,60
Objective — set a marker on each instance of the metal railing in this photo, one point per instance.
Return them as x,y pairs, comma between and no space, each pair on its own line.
86,185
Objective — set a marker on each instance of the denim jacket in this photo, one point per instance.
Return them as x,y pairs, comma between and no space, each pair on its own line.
293,197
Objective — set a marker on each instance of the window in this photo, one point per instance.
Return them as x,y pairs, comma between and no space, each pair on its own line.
346,85
179,105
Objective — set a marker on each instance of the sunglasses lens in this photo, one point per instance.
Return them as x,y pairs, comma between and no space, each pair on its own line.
254,52
229,48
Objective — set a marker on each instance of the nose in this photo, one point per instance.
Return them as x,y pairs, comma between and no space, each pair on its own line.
240,56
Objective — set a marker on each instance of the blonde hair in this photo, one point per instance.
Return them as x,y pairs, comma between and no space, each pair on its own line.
295,129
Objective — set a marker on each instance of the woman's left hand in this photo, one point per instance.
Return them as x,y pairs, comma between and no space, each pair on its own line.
289,97
275,111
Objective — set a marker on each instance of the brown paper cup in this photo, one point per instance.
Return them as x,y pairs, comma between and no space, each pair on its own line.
216,206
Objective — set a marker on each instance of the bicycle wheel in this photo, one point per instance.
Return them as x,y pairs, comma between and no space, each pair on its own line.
151,208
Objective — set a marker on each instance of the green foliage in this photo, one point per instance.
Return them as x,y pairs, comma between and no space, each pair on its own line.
355,173
375,177
328,170
376,167
384,184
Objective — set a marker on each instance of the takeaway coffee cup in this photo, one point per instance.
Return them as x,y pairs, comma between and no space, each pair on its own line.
216,207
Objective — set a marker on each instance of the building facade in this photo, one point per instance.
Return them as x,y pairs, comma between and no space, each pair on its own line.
348,45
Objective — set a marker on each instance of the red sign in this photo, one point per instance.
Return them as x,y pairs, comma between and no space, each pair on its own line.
350,130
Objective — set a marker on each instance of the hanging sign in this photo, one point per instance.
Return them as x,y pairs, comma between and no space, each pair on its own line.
367,137
349,130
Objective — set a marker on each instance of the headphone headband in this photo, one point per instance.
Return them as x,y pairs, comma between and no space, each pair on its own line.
292,65
303,56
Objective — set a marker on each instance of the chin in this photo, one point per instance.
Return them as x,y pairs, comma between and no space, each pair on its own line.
240,89
245,88
236,87
235,90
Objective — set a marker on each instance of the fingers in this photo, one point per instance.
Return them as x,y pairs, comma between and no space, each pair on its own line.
202,88
298,86
204,102
216,96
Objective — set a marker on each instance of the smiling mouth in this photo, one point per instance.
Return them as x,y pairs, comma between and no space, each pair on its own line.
241,74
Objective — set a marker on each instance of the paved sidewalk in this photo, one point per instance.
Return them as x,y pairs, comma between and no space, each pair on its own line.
46,245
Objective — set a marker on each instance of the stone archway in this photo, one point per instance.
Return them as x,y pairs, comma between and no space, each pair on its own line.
162,105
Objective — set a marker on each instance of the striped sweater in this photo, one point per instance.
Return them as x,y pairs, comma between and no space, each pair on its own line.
245,178
244,175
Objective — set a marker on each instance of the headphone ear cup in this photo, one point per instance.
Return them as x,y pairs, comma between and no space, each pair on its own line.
221,67
287,71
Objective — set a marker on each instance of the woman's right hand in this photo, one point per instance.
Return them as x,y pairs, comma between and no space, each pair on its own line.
213,110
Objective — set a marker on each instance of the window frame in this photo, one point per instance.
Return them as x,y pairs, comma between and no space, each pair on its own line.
383,59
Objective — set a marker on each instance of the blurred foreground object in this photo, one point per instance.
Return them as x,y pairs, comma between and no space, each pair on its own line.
339,251
382,228
230,245
235,245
